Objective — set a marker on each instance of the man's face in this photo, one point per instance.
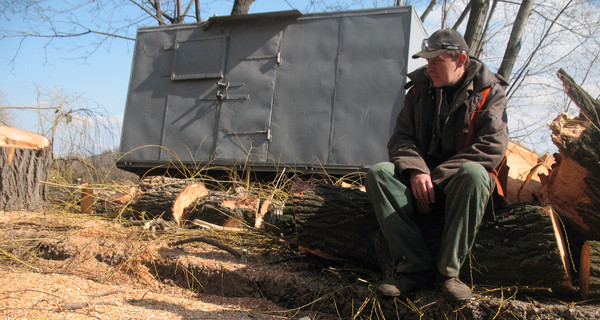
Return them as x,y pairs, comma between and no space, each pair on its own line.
444,70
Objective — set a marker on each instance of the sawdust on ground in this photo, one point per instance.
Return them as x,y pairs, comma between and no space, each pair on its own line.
35,288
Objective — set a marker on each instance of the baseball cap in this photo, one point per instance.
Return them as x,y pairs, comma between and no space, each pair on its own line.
440,42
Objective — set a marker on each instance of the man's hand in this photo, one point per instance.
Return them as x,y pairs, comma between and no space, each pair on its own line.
422,189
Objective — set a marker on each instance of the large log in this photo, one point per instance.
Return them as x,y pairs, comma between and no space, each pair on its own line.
524,246
337,222
25,159
156,195
185,200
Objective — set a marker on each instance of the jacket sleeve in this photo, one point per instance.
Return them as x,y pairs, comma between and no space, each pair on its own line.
489,144
403,147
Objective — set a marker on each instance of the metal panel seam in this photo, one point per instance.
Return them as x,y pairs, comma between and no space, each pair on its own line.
335,85
277,65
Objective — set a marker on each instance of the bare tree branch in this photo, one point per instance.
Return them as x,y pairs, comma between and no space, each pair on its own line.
482,38
462,16
158,18
512,87
428,10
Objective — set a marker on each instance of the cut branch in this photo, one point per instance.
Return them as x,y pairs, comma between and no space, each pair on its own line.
206,240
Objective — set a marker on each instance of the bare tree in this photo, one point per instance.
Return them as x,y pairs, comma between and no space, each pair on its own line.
514,42
110,19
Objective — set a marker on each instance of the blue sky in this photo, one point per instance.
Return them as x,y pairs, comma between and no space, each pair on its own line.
101,78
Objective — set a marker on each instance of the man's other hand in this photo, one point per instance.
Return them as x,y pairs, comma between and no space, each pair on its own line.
422,189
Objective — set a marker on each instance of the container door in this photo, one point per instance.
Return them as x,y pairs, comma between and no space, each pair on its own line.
191,112
245,94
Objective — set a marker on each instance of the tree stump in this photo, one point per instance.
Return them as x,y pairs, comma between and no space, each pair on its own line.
589,273
25,159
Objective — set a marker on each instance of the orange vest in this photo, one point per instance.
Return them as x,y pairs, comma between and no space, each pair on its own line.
500,174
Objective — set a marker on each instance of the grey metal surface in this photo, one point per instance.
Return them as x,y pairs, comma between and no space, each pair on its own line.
269,91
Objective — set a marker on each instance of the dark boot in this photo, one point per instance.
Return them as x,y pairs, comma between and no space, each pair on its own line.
455,290
406,283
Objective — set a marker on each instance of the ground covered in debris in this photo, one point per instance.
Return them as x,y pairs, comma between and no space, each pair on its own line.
71,266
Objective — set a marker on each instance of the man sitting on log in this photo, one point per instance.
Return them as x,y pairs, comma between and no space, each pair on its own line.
449,137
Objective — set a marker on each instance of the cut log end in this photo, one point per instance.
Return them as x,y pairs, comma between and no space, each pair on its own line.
561,245
589,270
187,197
20,139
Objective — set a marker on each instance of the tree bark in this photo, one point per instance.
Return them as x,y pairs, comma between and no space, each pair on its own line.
339,222
225,209
185,200
25,160
241,7
589,106
589,273
462,16
525,245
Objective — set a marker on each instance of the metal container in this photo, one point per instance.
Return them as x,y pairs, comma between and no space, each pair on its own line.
269,91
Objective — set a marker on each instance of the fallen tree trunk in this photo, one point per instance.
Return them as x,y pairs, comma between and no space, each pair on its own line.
185,200
156,196
25,159
337,223
524,246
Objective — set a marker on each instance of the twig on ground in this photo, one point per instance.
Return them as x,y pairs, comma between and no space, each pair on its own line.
208,241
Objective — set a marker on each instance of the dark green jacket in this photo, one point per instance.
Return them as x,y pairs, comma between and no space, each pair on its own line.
412,145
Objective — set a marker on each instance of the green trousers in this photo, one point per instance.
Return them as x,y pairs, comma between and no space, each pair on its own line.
466,197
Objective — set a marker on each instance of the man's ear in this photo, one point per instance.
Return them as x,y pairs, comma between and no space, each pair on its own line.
462,59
